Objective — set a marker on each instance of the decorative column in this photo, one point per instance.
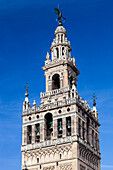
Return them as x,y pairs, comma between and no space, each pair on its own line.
55,130
33,133
41,131
60,38
25,135
60,54
73,125
81,129
85,128
64,127
98,145
76,125
61,80
63,37
90,135
65,79
49,85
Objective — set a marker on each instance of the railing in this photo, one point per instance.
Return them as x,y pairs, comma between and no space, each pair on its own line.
50,105
56,104
54,92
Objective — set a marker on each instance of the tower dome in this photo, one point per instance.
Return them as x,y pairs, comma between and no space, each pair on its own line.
61,30
60,48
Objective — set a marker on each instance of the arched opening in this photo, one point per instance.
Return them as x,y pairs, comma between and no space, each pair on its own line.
37,133
68,126
48,126
29,136
62,50
55,82
60,130
61,37
71,82
57,50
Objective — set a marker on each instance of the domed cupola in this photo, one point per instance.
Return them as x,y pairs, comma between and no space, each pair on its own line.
60,48
60,30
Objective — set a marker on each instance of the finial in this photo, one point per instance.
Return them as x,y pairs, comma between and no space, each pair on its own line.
34,103
26,88
48,56
74,60
60,17
94,99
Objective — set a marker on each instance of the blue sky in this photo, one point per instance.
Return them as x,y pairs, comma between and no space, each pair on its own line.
26,33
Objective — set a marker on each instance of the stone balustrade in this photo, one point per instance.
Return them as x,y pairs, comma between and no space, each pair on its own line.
54,92
57,104
49,106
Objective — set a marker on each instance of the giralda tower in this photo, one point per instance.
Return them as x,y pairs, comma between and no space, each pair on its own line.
63,132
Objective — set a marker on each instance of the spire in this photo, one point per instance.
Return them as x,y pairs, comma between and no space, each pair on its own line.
94,106
26,103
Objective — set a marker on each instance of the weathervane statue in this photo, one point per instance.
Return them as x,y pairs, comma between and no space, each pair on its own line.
94,99
60,17
26,88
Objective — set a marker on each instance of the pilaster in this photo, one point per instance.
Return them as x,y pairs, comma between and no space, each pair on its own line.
73,125
25,135
64,127
55,131
42,132
33,134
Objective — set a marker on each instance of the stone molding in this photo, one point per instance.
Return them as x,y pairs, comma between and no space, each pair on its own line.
48,143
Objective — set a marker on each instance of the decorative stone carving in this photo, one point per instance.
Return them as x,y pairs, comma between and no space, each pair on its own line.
66,166
88,156
49,168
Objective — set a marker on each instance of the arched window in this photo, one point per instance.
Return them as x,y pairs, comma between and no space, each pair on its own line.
62,50
57,50
48,126
62,38
71,80
55,82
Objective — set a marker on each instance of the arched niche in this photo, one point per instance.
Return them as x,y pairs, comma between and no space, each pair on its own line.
48,126
55,82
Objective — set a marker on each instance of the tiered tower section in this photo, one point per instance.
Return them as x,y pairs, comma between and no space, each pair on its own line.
63,132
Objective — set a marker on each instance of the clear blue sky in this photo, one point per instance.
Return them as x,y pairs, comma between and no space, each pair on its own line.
26,33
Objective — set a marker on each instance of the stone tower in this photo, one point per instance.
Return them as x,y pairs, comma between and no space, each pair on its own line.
63,132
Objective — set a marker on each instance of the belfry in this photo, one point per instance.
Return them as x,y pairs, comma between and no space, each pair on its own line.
63,132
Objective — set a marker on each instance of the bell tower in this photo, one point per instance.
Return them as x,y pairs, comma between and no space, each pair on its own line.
60,71
63,132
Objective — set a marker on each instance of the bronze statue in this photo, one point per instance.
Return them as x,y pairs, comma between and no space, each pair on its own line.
60,17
